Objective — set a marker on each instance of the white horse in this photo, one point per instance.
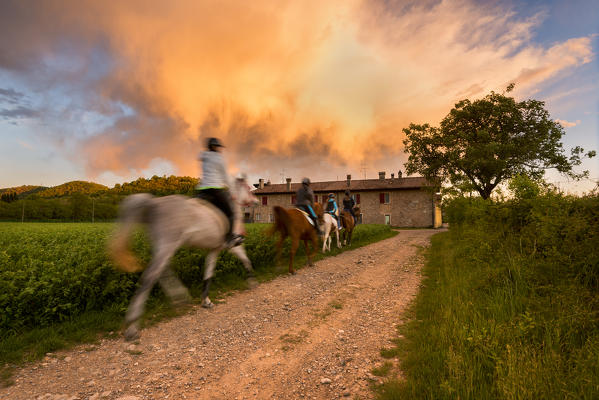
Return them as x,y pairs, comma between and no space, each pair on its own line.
329,226
172,222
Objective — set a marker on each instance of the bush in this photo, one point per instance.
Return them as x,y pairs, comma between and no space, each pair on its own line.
510,305
53,272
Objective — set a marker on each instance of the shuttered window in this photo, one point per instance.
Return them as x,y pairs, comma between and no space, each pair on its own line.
264,200
358,198
316,198
382,198
293,199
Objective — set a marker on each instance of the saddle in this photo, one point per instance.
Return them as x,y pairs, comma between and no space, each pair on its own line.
306,215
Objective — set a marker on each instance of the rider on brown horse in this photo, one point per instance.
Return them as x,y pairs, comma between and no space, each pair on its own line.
348,204
305,201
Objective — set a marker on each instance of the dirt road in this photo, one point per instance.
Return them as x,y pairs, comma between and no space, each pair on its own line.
314,335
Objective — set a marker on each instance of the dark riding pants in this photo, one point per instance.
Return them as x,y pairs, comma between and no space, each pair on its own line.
351,211
221,198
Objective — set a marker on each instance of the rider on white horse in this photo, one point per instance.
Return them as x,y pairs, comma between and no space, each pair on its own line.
333,209
214,186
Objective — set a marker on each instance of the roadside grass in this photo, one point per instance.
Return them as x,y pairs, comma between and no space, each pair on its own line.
508,307
25,342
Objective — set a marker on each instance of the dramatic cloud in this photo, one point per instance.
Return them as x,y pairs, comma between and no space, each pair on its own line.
567,124
309,87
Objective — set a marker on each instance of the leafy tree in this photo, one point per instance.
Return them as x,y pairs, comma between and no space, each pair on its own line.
482,143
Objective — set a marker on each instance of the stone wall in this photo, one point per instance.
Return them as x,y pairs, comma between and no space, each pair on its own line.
406,208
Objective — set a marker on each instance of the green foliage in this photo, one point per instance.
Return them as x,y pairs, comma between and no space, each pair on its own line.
82,201
159,186
480,144
510,304
59,275
74,187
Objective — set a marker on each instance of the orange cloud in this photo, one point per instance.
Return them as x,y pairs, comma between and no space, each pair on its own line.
310,86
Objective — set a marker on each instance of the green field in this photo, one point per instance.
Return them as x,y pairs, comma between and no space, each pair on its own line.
509,307
58,286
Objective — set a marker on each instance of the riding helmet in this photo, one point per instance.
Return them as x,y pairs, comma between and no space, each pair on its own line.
347,192
331,195
306,181
213,142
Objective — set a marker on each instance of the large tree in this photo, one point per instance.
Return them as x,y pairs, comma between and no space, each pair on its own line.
481,143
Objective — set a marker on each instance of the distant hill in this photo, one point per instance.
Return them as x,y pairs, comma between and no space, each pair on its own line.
23,190
158,185
81,187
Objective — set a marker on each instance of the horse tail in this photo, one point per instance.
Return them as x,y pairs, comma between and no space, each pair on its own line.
282,222
133,211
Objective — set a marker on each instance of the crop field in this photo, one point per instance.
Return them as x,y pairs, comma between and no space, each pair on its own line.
52,272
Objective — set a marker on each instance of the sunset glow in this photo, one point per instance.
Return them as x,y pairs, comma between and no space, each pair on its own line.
309,88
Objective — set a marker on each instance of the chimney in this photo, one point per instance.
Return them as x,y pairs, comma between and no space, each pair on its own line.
348,180
260,183
399,174
288,184
392,175
382,175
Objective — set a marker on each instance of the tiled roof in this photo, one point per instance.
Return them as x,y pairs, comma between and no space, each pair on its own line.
355,185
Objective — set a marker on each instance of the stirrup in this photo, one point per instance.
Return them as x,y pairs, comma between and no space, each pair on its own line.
235,241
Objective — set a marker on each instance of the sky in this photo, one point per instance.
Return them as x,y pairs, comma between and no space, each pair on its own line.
112,91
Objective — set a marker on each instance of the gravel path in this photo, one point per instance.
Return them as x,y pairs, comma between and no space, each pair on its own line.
314,335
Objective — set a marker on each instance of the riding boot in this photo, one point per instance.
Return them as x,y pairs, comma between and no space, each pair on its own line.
232,239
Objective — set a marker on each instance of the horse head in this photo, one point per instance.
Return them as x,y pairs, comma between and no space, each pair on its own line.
319,210
242,193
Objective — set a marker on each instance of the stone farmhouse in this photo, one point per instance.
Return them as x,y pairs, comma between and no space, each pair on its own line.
401,202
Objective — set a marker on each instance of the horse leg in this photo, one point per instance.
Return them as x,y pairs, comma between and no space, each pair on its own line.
279,249
338,245
294,246
308,252
208,274
314,244
239,252
148,280
326,237
173,287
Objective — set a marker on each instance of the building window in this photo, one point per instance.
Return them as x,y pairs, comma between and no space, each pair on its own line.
257,217
264,200
293,199
356,198
360,218
270,218
384,198
387,219
316,198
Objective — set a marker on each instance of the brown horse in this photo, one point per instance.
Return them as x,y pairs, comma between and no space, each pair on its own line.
293,223
348,224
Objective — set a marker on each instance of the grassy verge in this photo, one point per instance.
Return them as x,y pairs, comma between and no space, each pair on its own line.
509,307
62,264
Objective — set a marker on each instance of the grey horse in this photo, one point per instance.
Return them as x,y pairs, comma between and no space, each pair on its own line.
172,222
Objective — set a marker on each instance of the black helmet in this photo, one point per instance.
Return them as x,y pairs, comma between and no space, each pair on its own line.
331,195
347,192
306,181
213,142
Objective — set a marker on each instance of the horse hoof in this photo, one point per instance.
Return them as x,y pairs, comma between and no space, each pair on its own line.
207,304
131,334
252,282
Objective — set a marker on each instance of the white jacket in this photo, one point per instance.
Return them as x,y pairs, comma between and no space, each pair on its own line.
214,172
